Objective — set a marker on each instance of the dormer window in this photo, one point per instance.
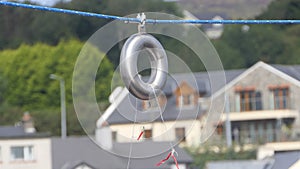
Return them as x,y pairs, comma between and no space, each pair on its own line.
186,96
186,100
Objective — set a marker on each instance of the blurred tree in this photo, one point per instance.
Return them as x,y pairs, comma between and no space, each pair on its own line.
29,87
282,9
207,155
29,26
273,44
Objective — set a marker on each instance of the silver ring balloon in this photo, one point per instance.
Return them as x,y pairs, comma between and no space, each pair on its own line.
129,71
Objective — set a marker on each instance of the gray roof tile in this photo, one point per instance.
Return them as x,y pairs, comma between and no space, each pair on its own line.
241,164
283,160
18,132
291,70
72,151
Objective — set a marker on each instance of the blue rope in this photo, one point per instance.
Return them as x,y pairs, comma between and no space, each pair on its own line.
136,20
67,11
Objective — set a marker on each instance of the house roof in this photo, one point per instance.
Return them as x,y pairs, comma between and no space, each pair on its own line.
159,151
285,159
66,152
9,132
81,150
241,164
77,164
123,112
296,165
126,112
289,72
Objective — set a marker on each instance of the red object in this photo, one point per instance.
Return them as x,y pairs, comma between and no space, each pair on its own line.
169,155
175,160
164,160
142,132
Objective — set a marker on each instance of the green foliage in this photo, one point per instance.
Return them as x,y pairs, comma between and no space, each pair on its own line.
48,120
282,9
200,159
28,26
26,72
273,44
229,8
121,7
9,114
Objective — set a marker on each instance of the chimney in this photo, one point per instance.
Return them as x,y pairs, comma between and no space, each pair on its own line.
104,136
27,123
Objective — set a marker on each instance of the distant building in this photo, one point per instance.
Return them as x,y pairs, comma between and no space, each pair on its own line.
241,164
216,30
76,152
179,105
262,107
262,103
22,147
283,155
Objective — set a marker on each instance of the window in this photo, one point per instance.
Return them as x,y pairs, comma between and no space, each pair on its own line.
252,132
261,132
114,136
180,134
148,134
186,95
248,99
0,154
186,100
219,129
280,97
23,153
270,132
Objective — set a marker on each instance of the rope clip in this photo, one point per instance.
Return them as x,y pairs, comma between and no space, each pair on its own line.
174,152
142,24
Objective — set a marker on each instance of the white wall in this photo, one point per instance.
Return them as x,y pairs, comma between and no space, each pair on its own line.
181,166
83,167
41,152
161,131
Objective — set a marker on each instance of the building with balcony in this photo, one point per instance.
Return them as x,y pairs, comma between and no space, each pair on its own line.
263,104
262,107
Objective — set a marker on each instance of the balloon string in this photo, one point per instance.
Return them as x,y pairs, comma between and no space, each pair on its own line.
132,135
172,147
